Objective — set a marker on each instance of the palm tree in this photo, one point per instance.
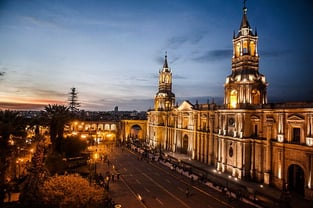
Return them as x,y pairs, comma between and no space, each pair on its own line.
11,124
56,117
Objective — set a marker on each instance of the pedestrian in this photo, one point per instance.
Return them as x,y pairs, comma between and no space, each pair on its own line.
118,176
112,177
187,192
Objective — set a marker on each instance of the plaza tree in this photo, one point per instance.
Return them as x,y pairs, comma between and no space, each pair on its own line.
71,191
11,124
37,174
56,116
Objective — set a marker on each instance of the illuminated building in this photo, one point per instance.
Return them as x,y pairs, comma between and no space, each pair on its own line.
245,137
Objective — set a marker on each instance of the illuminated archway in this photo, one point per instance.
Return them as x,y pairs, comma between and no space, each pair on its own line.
252,48
237,51
136,132
233,98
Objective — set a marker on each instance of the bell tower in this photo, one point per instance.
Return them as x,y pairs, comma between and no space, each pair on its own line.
164,98
245,85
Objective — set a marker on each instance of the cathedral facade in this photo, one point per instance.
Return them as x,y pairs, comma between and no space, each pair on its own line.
246,137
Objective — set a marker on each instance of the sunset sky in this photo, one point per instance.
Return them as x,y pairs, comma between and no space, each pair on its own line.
111,51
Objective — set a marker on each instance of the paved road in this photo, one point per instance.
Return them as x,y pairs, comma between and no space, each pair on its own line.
157,185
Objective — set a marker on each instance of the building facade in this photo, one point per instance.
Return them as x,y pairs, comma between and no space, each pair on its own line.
245,137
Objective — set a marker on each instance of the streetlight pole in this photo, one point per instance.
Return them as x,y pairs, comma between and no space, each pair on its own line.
95,156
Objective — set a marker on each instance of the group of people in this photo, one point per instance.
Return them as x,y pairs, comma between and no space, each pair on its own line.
104,180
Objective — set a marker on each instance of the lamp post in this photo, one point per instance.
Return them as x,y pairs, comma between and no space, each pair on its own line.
95,157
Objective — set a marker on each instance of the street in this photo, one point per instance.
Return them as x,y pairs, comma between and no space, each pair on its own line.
151,184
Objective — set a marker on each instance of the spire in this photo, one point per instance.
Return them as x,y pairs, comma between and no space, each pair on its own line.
244,21
165,65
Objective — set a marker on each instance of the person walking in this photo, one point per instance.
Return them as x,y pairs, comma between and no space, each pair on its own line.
187,192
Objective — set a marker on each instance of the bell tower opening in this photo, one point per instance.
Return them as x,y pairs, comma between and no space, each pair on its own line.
233,99
255,97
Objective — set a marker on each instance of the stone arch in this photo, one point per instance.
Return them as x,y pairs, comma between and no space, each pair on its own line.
100,127
136,131
113,127
296,179
107,127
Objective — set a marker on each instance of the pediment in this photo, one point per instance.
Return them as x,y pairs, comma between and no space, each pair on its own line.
295,117
185,106
254,117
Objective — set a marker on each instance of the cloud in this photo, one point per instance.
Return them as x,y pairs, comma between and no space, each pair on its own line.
171,59
20,106
275,53
177,41
41,22
177,76
213,55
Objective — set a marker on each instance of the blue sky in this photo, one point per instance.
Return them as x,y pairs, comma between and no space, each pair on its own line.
111,51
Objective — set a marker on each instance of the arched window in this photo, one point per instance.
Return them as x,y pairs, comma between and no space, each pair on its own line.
233,98
252,48
245,47
255,97
237,50
113,127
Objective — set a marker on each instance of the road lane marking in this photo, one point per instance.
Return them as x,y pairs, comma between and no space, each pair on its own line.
164,189
132,191
158,200
138,181
181,189
196,188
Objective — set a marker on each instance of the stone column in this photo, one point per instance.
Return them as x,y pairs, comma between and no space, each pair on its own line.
268,155
210,142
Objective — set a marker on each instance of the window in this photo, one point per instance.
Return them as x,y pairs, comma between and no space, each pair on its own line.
245,47
252,48
296,135
237,50
233,99
255,97
255,133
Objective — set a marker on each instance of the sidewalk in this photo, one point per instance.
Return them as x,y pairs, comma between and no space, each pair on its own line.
256,193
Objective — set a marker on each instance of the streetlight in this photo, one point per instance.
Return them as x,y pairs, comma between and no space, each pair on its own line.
95,157
31,154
